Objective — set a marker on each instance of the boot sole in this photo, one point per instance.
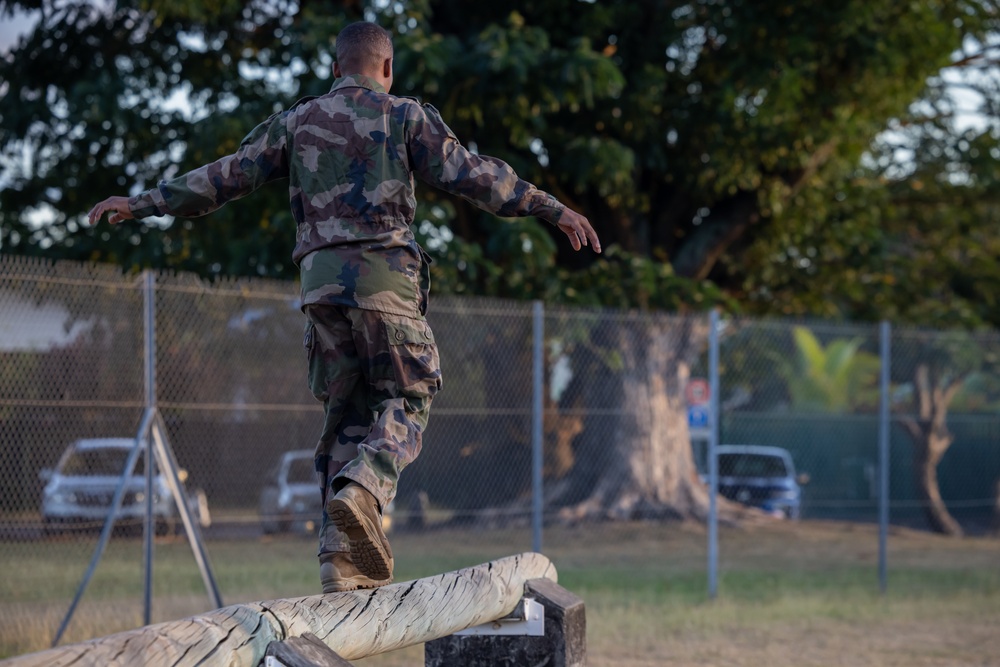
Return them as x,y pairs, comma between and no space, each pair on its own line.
368,552
353,584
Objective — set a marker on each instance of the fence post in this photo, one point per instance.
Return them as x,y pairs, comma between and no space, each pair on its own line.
141,448
883,447
149,525
713,464
537,421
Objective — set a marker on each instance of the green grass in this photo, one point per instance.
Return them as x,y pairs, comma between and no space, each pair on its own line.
804,594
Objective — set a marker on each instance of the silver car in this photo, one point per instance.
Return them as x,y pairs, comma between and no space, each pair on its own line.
79,491
290,499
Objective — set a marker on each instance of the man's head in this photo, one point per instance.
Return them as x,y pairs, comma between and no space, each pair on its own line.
365,48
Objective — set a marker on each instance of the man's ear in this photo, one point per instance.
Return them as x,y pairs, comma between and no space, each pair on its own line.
387,68
336,70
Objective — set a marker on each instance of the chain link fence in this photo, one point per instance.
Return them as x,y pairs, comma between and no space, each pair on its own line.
624,438
812,390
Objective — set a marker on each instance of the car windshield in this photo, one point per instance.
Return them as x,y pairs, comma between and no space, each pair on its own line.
752,465
301,471
98,462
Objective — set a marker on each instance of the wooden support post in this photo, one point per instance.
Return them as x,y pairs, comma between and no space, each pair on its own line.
355,624
564,643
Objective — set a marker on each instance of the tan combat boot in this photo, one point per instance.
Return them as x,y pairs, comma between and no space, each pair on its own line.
337,573
355,512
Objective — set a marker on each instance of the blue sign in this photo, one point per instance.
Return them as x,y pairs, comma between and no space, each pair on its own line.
698,416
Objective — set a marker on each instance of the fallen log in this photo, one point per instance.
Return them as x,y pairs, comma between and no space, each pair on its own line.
354,624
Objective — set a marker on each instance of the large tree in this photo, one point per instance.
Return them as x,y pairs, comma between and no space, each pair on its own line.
750,127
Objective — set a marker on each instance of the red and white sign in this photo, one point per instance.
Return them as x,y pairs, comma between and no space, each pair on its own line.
697,391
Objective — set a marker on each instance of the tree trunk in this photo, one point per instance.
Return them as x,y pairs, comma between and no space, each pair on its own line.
996,508
928,454
705,244
561,430
634,459
931,439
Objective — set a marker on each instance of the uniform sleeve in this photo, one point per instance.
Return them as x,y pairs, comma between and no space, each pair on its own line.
260,158
439,159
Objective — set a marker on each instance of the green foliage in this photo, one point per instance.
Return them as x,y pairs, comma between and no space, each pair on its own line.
950,357
910,235
617,279
725,147
979,393
838,377
620,278
86,113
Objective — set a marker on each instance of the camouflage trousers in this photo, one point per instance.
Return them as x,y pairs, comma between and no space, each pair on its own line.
376,375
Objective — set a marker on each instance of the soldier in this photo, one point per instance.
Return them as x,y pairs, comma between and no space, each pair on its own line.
350,157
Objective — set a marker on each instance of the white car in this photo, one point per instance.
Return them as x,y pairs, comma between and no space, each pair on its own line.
290,499
79,491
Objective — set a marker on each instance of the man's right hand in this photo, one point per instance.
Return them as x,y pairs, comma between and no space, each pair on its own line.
118,206
578,229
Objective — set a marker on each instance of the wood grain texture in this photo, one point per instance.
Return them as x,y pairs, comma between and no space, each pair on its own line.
355,624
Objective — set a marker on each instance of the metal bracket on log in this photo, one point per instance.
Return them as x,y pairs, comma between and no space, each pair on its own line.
527,620
561,643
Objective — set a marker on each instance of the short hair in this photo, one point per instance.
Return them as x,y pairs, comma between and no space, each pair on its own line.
363,46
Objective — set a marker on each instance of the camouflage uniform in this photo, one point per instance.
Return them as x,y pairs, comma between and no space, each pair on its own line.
350,158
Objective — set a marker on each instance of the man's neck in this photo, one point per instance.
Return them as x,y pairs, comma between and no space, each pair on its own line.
359,80
372,76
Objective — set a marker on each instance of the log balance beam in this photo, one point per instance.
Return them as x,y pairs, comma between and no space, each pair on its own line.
354,624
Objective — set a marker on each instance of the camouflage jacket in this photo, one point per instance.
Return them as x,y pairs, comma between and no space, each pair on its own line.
350,157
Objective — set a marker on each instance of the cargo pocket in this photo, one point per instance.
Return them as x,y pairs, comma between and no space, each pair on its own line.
309,338
415,361
424,289
316,372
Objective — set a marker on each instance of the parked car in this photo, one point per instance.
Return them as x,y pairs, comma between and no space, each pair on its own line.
290,499
80,489
762,477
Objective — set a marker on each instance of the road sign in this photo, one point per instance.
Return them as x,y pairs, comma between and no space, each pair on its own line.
698,416
697,391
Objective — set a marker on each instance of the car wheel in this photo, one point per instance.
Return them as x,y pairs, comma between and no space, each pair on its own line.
199,508
52,527
127,528
166,527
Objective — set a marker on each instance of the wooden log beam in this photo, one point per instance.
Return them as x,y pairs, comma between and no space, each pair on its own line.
354,624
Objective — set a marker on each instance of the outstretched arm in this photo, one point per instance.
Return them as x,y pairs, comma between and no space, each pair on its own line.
489,183
259,159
